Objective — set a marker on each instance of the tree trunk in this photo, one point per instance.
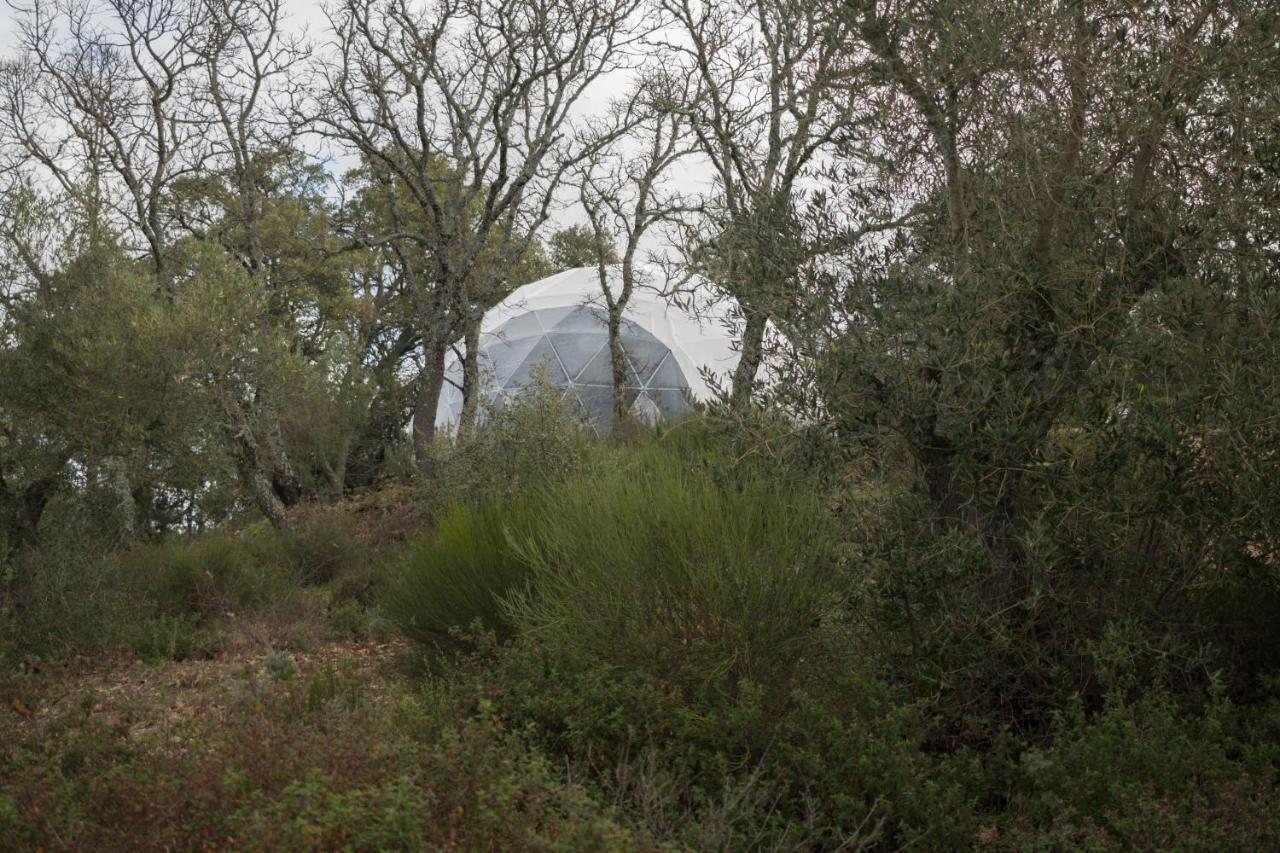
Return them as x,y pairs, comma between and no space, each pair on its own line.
744,376
470,377
284,480
383,428
427,400
245,452
116,469
618,363
20,515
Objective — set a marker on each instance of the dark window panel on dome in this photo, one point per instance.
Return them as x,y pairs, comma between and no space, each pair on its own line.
645,352
575,409
630,328
669,375
522,326
541,360
577,349
600,372
504,357
598,404
582,318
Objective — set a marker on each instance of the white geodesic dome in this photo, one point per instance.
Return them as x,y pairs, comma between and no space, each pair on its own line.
557,328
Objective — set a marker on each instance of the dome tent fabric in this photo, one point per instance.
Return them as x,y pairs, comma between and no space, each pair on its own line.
558,327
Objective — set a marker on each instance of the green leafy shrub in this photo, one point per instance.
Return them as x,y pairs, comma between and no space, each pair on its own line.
64,598
209,575
1150,774
839,761
458,572
350,620
165,636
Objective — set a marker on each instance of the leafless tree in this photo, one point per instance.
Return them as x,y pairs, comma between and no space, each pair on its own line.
769,76
627,189
105,112
245,65
464,107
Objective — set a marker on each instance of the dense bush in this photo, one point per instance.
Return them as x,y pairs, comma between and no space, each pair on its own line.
172,598
836,761
847,760
1150,775
209,575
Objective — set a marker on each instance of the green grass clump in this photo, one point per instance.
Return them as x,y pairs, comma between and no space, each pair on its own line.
673,559
322,547
458,573
209,575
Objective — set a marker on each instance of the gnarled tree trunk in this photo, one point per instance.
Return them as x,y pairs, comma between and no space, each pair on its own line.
470,377
248,459
744,376
427,400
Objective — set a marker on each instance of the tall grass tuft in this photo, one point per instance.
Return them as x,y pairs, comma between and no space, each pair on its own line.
456,574
669,561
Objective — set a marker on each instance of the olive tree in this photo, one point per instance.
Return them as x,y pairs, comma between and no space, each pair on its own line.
1055,305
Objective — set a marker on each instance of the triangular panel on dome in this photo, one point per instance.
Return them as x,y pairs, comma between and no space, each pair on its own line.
582,318
674,404
645,352
548,318
600,371
505,356
668,375
629,327
520,326
577,349
597,404
575,409
541,360
645,410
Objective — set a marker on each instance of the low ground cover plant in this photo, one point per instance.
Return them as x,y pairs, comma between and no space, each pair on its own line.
314,762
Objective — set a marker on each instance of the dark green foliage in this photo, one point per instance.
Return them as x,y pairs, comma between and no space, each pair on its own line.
526,443
171,599
322,547
578,246
1150,775
834,761
210,575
